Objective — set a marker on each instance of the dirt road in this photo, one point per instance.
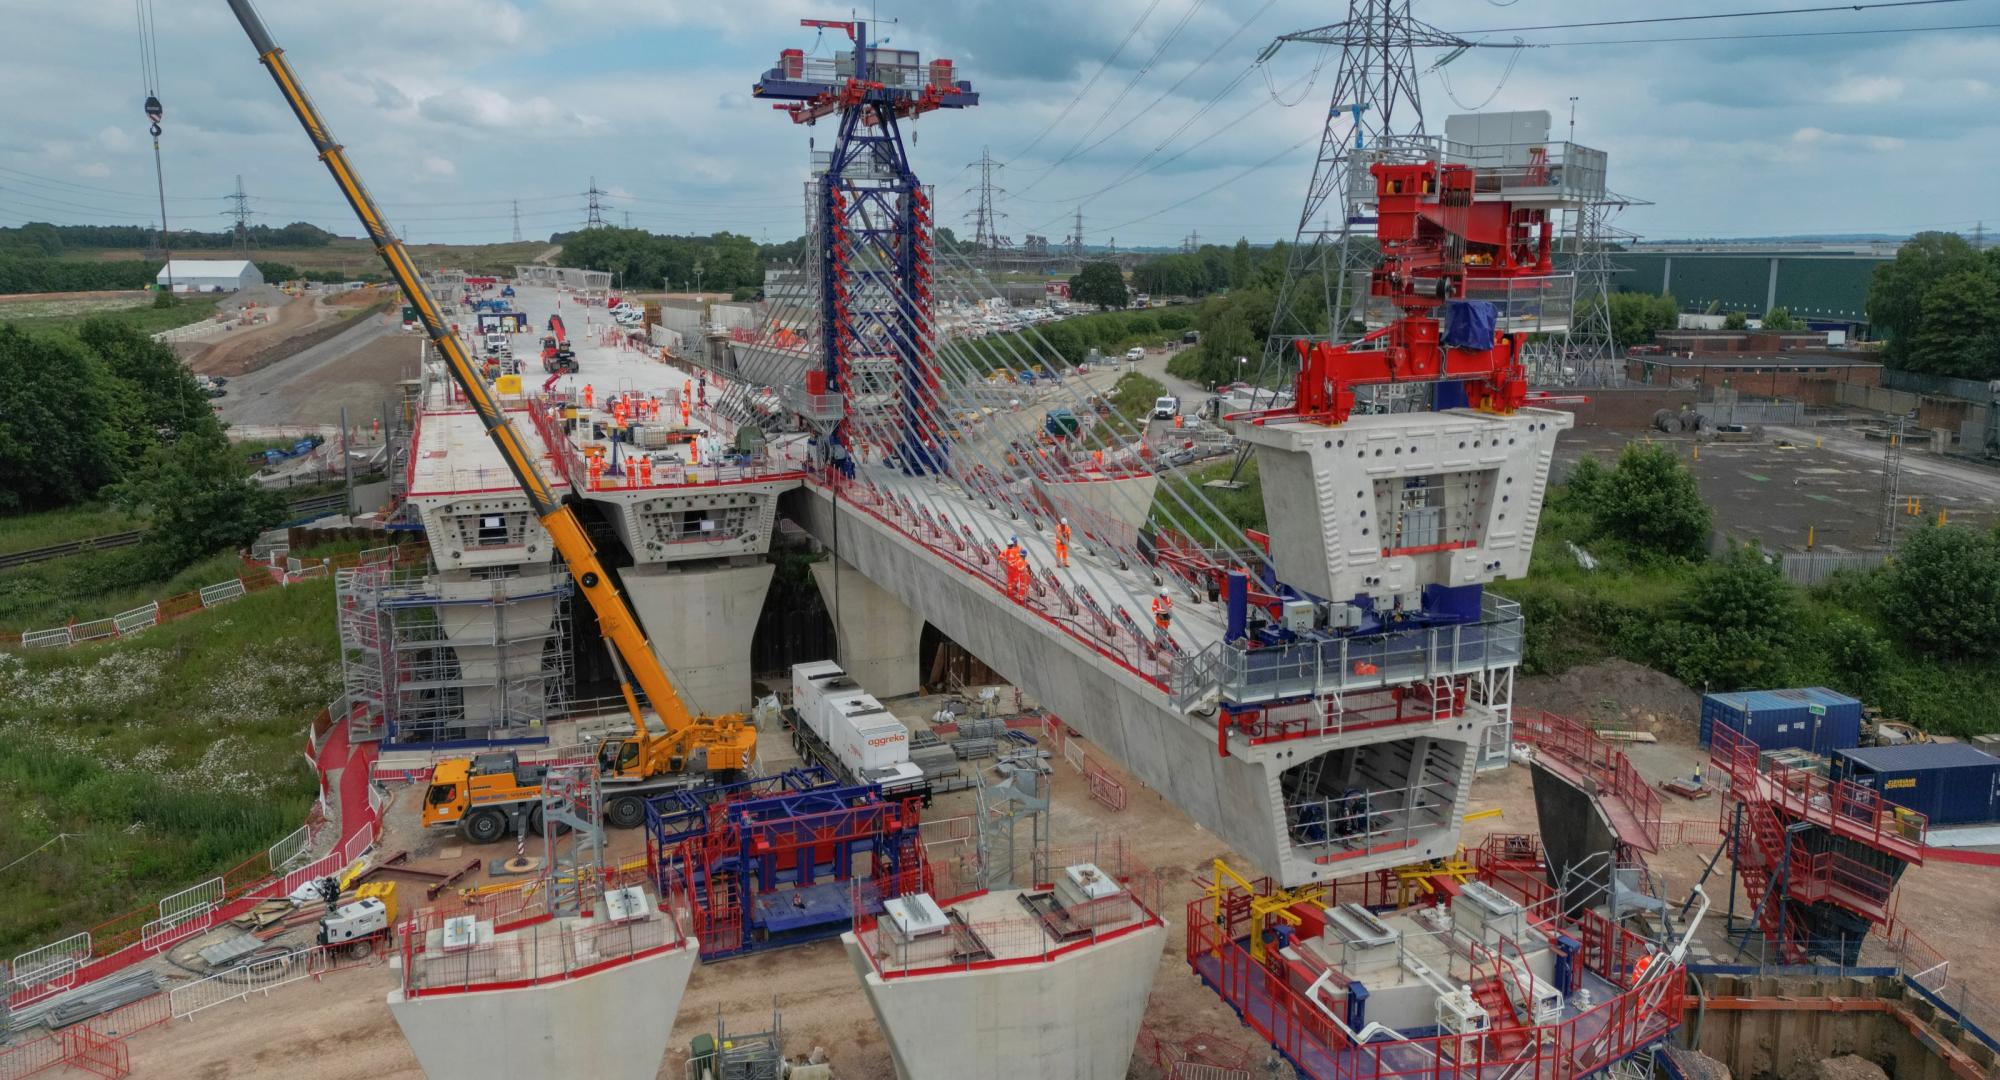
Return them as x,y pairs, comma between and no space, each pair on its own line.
358,368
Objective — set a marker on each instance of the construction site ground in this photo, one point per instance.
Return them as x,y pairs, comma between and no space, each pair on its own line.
340,1028
1772,490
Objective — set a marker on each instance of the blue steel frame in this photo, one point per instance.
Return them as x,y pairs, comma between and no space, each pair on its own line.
873,212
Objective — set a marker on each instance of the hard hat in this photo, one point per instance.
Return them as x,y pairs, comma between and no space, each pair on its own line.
1013,539
1065,521
1163,590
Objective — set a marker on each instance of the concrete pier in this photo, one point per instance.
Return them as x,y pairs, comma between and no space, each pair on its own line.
699,618
1074,1015
573,997
877,634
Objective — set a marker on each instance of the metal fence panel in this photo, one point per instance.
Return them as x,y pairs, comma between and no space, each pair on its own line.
137,619
45,639
49,969
237,983
290,850
93,630
222,592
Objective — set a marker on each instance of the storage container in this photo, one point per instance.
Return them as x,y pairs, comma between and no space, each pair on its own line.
1950,783
1813,718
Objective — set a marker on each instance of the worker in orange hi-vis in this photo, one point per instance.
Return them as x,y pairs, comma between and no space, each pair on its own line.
694,452
596,471
645,464
1179,421
1022,575
619,413
1163,611
589,395
1098,455
686,419
1010,560
1062,542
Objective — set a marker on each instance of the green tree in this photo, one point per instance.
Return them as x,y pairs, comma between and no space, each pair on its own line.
199,499
1956,334
1734,625
1896,293
1099,283
1636,317
1651,504
1736,320
56,446
1780,320
1942,593
166,402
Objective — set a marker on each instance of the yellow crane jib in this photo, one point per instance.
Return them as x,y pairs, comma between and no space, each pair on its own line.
728,741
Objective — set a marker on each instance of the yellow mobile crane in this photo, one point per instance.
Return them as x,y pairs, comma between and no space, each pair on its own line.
483,797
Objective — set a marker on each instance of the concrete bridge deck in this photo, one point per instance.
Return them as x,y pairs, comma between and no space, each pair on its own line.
930,547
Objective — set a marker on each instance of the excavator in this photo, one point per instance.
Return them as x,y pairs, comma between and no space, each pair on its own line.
485,796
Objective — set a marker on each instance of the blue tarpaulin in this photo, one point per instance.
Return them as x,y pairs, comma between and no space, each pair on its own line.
1468,324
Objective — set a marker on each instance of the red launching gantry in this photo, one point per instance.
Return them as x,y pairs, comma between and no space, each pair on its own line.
1439,245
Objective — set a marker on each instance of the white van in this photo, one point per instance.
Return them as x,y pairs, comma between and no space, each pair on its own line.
1135,354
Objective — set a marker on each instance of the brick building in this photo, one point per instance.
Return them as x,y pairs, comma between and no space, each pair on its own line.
1805,376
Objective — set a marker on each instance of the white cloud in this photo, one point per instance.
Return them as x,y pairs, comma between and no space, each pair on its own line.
96,170
1812,136
437,166
1867,90
113,137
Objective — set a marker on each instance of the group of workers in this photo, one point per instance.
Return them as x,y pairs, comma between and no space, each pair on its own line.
1020,578
638,469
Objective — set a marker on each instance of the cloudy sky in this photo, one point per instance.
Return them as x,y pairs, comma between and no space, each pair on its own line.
453,109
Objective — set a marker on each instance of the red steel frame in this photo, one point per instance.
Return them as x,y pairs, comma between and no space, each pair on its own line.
1582,1044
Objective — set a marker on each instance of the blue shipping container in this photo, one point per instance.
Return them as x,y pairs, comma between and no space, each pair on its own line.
1950,783
1813,718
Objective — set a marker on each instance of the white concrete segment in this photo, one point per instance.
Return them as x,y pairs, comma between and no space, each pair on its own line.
612,1023
1073,1017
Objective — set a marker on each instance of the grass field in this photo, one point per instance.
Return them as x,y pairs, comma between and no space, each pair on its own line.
159,761
25,532
64,316
95,585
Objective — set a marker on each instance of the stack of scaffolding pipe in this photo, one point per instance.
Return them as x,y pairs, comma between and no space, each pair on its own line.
971,749
981,727
84,1002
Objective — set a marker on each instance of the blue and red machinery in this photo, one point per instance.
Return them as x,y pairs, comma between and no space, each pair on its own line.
874,227
765,870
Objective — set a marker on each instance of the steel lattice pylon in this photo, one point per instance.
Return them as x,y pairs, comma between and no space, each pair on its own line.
1587,355
1375,97
873,232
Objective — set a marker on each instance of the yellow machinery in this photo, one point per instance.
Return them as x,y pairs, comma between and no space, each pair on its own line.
1277,904
725,742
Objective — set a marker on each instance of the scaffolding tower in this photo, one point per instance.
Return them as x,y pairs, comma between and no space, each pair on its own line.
425,660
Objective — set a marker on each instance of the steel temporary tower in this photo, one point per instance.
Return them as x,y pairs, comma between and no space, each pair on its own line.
873,228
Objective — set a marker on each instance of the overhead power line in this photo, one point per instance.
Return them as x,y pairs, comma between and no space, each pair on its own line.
1824,9
1101,69
1871,32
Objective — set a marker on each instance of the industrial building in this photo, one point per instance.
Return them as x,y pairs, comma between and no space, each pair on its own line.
209,275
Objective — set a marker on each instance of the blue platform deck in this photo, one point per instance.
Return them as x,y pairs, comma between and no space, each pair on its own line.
790,911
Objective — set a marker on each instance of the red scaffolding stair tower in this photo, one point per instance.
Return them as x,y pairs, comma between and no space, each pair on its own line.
1809,850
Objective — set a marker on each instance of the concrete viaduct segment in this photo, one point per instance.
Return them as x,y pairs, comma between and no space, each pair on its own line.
1242,795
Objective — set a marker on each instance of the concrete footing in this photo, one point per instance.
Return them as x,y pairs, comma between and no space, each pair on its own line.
699,617
611,1024
1075,1017
878,635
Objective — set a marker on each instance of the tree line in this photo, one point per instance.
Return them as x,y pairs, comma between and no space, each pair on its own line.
646,260
50,241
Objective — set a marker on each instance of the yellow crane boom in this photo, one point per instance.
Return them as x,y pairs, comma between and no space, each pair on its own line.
730,742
